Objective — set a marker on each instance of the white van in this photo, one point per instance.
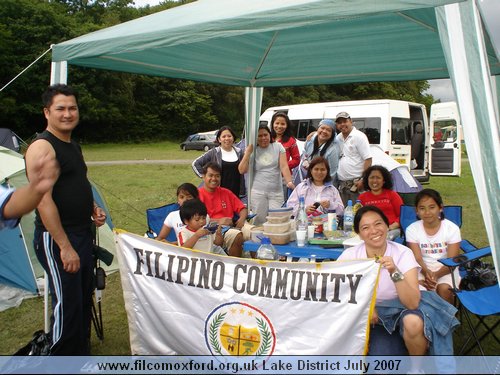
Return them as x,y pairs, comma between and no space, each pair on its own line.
400,128
446,142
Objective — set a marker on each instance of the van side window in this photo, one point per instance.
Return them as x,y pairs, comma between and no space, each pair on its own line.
399,128
370,126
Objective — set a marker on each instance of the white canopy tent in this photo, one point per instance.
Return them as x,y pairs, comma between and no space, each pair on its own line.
263,43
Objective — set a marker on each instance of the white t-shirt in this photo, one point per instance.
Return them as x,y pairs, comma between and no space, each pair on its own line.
205,243
267,168
354,150
433,247
403,259
229,155
173,220
5,195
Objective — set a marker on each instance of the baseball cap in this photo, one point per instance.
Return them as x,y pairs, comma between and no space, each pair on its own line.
342,115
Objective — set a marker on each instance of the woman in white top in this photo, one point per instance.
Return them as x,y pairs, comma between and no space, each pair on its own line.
432,238
270,165
228,157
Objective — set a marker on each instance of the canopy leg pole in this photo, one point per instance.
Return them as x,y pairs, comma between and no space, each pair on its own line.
59,72
46,301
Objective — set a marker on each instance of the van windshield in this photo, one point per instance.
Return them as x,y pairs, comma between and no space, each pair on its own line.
370,126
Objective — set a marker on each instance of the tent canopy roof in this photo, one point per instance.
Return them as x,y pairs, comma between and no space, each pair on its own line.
274,43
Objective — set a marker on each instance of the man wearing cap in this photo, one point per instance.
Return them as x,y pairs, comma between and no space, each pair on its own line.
322,143
355,157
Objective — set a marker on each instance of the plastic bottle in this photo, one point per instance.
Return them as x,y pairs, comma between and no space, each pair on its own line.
348,217
332,220
301,219
266,250
356,207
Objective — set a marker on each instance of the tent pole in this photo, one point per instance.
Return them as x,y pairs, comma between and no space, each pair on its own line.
253,105
461,36
46,301
59,72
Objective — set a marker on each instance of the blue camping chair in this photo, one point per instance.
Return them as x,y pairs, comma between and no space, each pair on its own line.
482,303
156,217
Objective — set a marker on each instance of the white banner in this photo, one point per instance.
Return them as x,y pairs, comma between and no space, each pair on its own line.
184,302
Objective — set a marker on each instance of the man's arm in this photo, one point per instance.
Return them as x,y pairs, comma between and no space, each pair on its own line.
48,209
43,176
243,217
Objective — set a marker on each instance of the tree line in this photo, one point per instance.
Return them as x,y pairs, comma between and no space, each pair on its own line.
123,107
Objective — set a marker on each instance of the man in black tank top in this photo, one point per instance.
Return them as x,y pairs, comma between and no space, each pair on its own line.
63,238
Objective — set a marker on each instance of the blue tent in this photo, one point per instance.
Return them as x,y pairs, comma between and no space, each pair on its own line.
19,267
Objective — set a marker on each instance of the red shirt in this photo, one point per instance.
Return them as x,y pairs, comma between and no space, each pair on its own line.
221,203
388,201
292,152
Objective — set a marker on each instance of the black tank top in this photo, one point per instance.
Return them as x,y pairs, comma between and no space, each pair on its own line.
230,176
72,193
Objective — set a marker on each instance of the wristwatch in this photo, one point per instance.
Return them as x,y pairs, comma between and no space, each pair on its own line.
397,276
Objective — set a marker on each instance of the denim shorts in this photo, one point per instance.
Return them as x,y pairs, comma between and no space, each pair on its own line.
384,343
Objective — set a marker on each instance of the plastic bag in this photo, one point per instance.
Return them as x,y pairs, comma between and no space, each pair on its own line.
39,345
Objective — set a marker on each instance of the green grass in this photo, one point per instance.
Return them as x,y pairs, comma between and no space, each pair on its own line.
131,189
164,150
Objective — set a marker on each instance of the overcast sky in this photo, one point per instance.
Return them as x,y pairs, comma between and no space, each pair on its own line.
440,89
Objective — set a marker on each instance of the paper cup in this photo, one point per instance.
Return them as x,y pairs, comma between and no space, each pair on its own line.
301,237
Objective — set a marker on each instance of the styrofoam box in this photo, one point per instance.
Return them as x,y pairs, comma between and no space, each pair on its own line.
279,238
277,228
278,219
285,211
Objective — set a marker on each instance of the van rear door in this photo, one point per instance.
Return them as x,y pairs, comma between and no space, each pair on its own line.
446,143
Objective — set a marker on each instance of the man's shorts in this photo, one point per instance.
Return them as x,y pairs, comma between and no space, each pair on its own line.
231,234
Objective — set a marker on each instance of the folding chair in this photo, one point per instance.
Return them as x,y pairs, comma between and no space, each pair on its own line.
482,303
408,216
156,217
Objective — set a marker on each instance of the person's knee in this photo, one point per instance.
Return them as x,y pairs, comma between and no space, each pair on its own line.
413,326
444,291
237,246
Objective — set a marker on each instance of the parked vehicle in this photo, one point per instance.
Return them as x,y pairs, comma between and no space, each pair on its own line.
200,141
446,143
400,128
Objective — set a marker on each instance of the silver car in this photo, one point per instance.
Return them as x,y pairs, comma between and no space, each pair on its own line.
199,141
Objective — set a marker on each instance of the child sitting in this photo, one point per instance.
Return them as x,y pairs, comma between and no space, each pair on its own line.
194,235
173,220
432,238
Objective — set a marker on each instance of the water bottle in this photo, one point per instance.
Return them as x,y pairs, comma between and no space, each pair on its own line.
356,207
348,217
266,250
301,219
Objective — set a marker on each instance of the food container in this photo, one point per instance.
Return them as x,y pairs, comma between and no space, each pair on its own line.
279,238
285,211
277,228
256,231
277,219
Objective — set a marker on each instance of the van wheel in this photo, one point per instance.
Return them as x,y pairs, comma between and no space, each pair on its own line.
206,148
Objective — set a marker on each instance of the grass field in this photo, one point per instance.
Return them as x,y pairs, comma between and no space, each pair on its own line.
131,189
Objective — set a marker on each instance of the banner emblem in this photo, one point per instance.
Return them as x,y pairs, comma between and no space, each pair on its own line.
239,329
